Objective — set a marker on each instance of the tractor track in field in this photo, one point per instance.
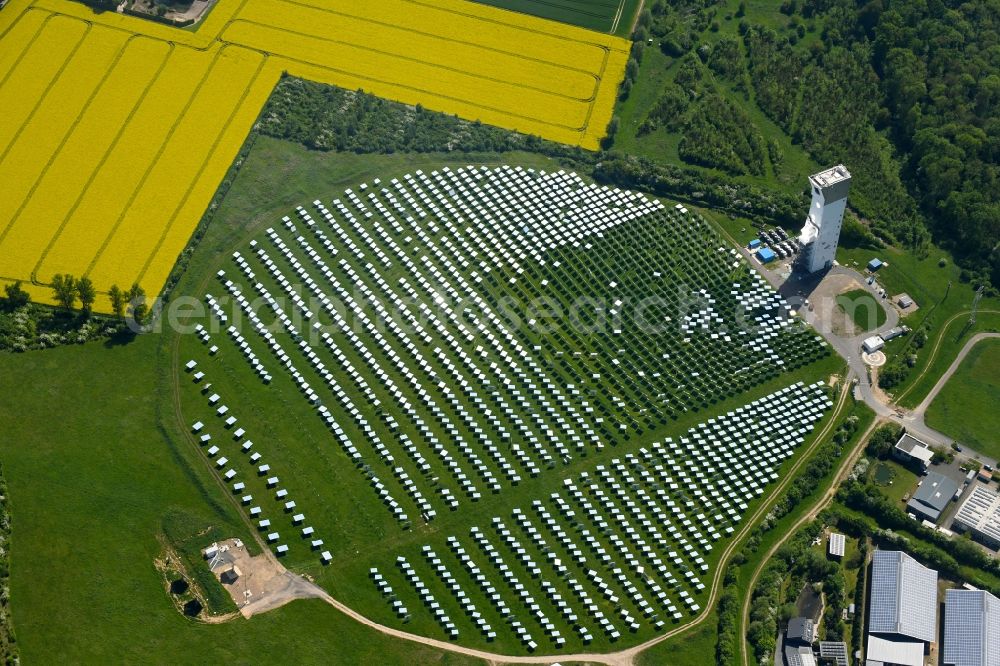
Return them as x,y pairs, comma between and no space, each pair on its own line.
27,45
436,95
513,52
416,60
204,164
100,165
152,164
67,135
41,98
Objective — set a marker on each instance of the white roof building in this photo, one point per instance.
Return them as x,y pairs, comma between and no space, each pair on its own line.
836,544
873,344
884,652
909,448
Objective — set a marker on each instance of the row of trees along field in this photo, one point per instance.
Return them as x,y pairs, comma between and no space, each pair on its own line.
25,325
906,93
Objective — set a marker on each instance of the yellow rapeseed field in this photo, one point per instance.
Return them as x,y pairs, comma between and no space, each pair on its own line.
46,133
119,171
118,130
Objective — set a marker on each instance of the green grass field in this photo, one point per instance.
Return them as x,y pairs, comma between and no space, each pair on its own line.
863,309
965,407
894,480
91,480
947,341
266,188
611,16
131,459
943,304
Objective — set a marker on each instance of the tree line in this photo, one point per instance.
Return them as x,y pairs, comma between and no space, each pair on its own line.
24,325
8,641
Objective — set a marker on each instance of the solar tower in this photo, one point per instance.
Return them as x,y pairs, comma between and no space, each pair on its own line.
821,232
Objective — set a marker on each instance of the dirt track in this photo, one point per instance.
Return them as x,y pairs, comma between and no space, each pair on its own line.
810,515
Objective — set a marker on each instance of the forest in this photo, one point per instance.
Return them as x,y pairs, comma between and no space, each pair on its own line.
906,93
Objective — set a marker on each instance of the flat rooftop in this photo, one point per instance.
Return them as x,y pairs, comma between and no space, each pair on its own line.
831,176
914,447
981,512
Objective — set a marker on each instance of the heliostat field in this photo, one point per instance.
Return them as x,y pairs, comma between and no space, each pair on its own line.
500,406
117,130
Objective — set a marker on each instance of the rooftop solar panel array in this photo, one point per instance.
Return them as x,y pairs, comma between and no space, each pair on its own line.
904,597
971,628
981,513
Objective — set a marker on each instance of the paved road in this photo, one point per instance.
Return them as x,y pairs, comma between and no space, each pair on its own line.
796,288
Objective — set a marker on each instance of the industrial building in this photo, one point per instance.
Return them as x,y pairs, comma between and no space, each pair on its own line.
971,628
903,610
932,496
895,332
980,516
872,344
888,652
766,255
821,233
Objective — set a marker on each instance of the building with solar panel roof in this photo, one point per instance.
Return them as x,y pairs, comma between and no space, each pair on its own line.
980,515
971,628
902,618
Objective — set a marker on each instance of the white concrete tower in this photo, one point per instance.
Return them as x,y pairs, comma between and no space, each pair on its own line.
821,232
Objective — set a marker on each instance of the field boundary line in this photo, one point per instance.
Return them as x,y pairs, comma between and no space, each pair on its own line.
431,35
66,137
399,85
197,177
41,100
568,38
149,169
447,68
104,158
635,19
821,504
28,45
